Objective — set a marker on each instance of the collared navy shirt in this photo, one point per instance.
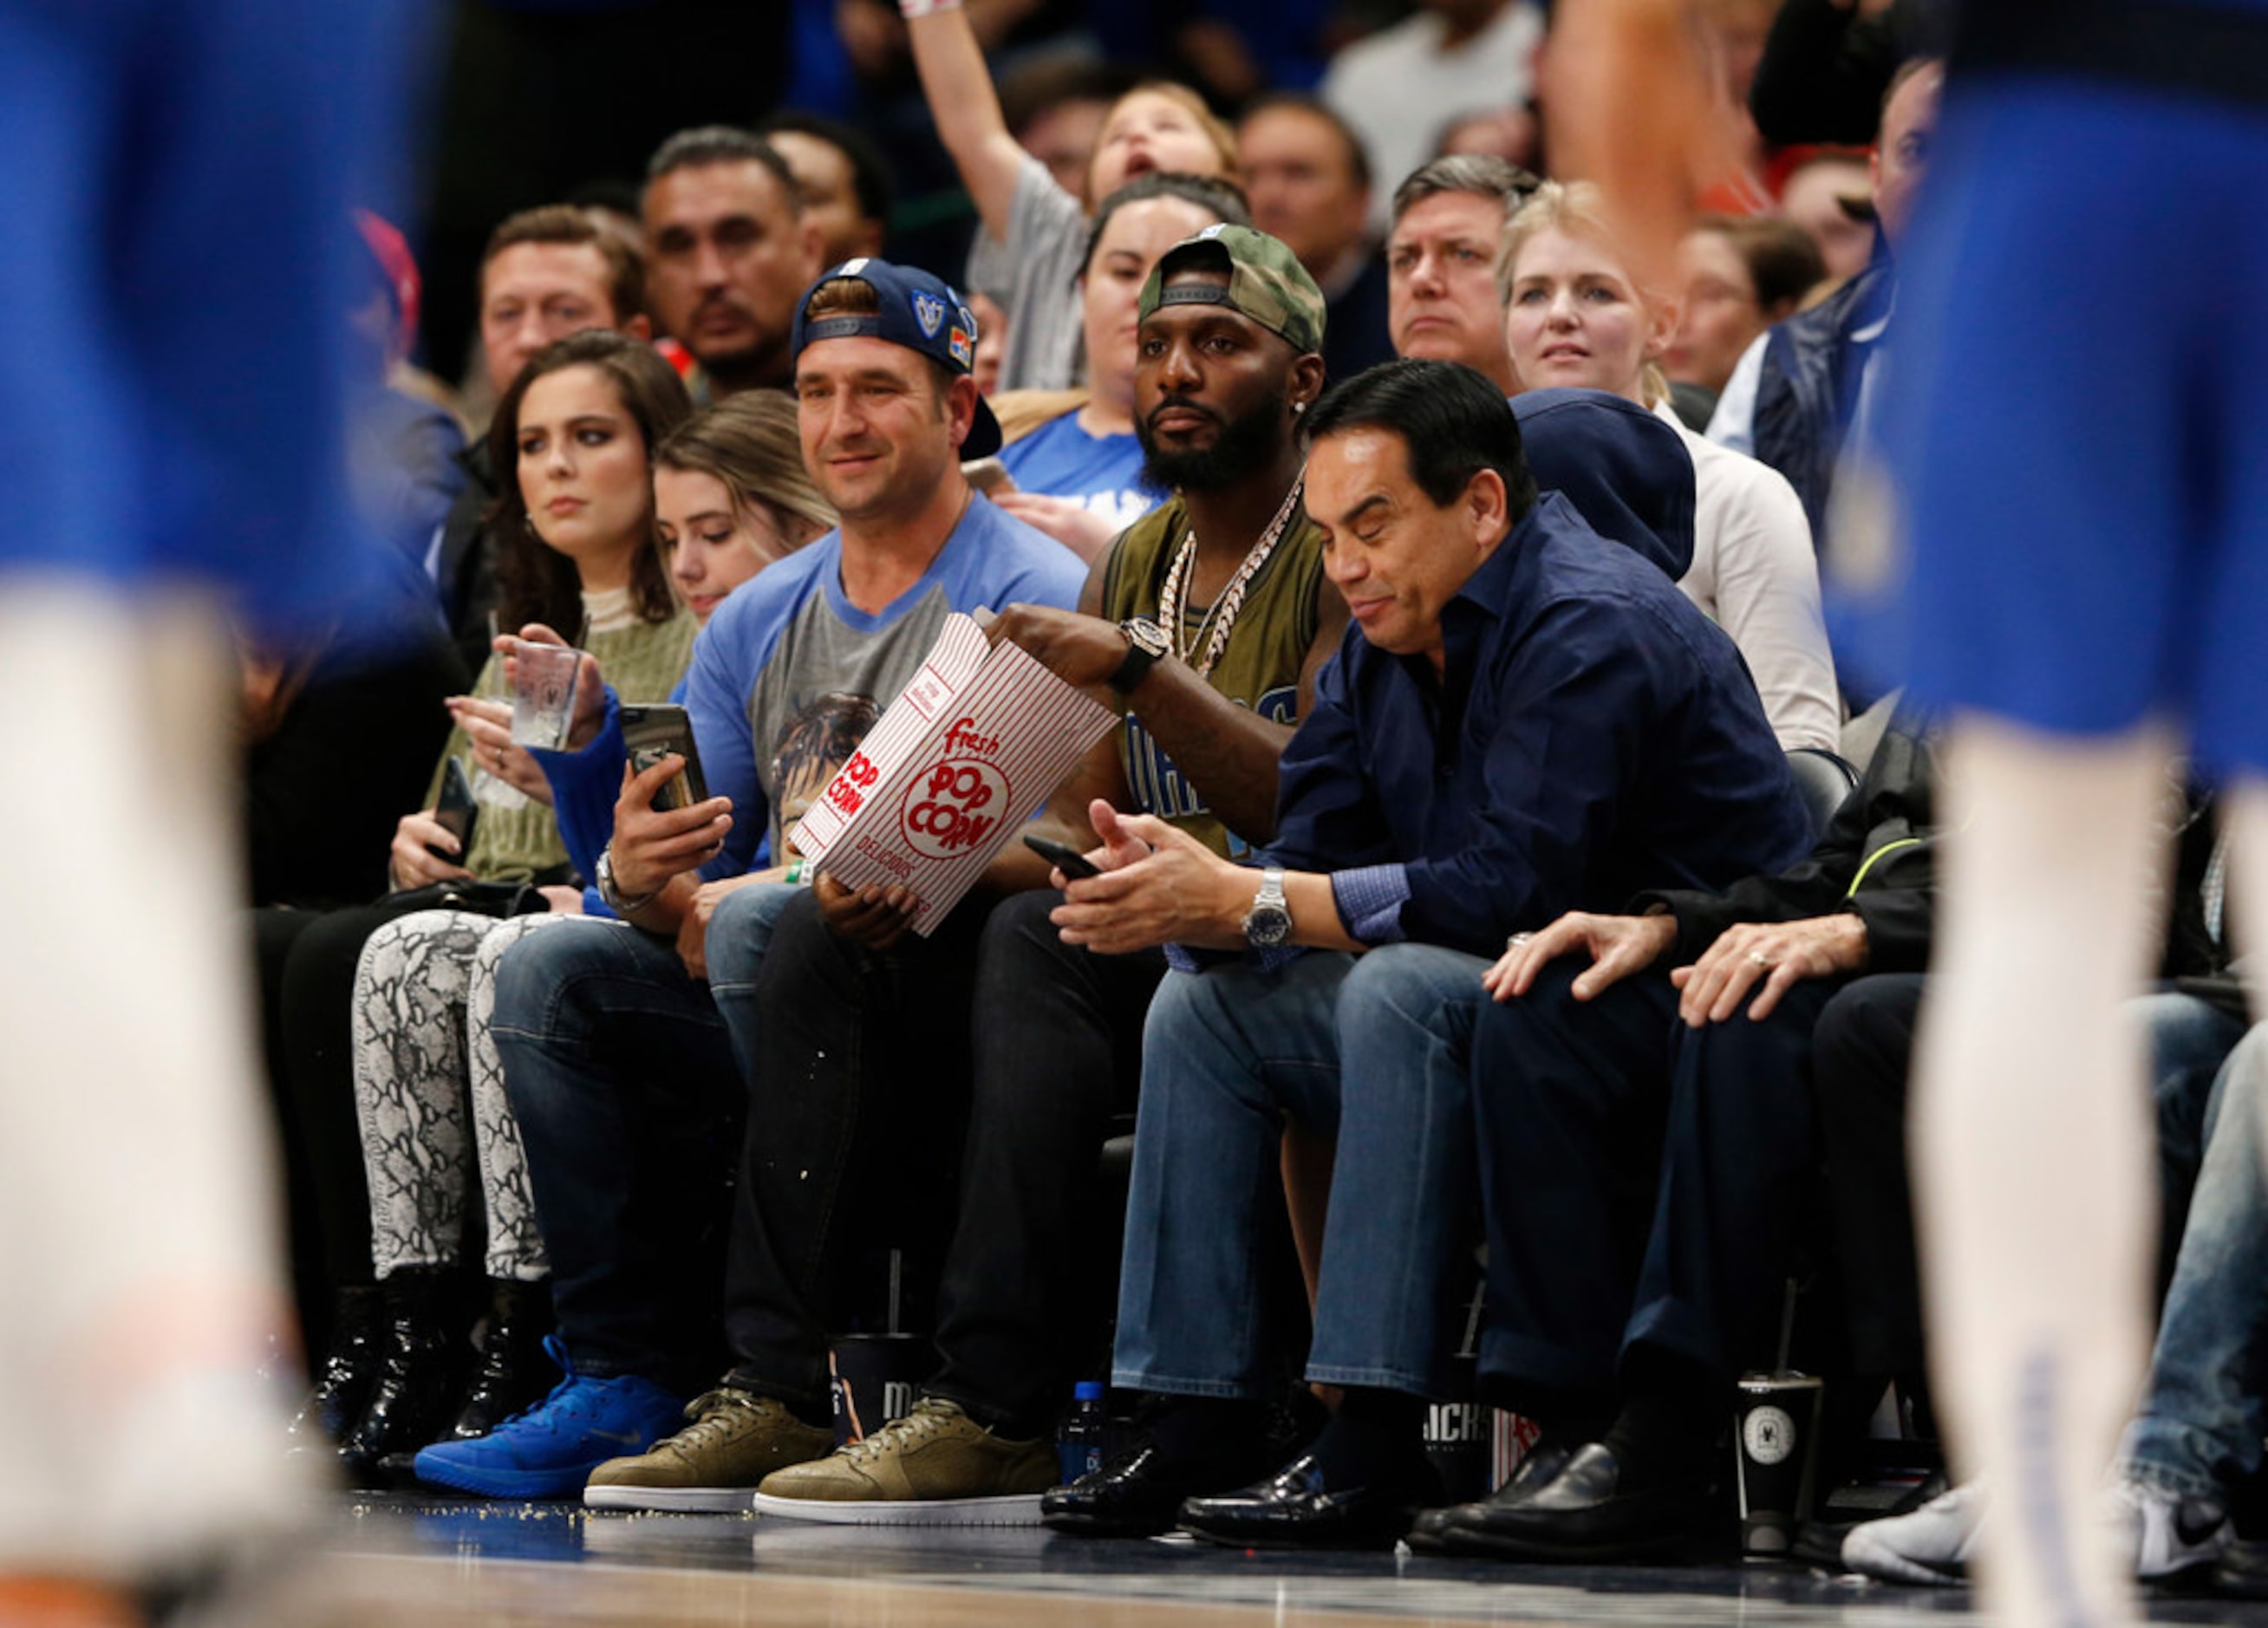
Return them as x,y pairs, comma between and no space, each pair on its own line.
1593,735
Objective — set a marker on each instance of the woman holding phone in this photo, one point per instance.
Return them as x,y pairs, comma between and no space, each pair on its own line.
579,550
730,497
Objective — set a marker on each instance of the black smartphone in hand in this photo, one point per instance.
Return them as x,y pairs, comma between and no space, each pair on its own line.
456,813
653,733
1064,857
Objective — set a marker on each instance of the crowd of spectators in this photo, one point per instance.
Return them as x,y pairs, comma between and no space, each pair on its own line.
1465,872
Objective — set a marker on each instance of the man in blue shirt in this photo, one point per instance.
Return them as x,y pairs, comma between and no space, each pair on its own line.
618,1064
1525,716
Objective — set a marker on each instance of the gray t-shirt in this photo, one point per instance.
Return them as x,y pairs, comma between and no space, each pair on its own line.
1035,277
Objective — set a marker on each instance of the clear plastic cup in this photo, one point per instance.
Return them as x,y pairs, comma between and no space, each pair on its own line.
543,694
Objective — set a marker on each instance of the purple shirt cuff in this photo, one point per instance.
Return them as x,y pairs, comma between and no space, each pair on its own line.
1370,898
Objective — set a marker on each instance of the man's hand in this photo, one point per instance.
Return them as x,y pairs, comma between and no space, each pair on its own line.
876,917
651,844
1779,953
1081,650
415,865
488,725
693,931
590,714
1617,946
1159,885
1071,523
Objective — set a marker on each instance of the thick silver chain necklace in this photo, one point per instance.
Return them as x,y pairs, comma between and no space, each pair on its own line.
1222,618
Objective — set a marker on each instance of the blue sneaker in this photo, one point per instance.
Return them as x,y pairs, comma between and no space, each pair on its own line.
551,1449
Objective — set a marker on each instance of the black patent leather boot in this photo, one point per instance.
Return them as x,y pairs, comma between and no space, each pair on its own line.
418,1377
513,1372
346,1376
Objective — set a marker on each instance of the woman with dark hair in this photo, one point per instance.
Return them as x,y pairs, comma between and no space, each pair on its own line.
580,551
731,496
1072,457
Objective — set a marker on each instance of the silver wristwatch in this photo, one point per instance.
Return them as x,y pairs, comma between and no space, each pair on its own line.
1269,922
620,904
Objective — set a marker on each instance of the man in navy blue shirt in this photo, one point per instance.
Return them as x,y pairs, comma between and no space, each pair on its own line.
1525,716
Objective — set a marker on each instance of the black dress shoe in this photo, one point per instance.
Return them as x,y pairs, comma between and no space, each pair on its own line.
1538,1469
1137,1496
1581,1513
1298,1508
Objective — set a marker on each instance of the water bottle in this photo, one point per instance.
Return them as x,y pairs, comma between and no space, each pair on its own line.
1078,1444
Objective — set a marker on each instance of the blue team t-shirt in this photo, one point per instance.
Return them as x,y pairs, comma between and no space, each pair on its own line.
1102,472
789,674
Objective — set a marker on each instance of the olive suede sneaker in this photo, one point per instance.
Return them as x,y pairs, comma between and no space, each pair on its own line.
935,1467
733,1439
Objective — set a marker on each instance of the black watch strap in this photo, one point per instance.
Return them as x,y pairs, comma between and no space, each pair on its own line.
1146,645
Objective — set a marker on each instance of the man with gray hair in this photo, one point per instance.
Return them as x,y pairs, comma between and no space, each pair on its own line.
1449,217
729,251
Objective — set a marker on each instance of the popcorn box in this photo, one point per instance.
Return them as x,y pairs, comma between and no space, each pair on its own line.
967,752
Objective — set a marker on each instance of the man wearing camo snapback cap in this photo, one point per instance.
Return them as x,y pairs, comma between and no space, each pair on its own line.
1266,282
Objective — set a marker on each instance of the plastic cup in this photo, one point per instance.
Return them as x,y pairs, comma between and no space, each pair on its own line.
543,695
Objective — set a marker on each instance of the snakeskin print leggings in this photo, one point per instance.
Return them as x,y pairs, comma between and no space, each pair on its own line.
424,1065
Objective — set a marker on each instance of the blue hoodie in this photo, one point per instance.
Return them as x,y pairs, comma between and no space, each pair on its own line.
1594,735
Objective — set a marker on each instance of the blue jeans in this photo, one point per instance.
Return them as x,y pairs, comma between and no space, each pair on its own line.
2200,1429
739,932
2189,1040
1371,1049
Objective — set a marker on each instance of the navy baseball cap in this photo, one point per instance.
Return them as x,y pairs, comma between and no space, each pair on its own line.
913,309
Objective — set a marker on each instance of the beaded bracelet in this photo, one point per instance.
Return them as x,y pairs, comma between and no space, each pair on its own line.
795,872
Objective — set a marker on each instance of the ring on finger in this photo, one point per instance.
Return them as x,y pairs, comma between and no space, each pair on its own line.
1757,958
1518,940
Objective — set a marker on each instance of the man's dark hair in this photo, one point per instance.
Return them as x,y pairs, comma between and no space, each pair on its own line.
870,171
565,224
721,144
1453,420
1358,156
1221,197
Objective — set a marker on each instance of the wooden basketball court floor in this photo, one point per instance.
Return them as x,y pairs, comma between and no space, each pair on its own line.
387,1561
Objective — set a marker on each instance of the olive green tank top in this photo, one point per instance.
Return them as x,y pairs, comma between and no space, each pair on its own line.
1259,668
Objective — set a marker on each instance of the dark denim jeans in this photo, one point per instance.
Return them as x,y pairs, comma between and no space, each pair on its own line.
629,1104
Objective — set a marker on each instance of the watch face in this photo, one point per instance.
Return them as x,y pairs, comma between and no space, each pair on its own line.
1267,925
1146,635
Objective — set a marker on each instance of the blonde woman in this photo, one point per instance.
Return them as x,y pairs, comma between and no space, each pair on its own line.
1576,315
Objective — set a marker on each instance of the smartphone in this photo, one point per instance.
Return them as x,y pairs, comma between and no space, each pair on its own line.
653,733
1064,857
456,813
